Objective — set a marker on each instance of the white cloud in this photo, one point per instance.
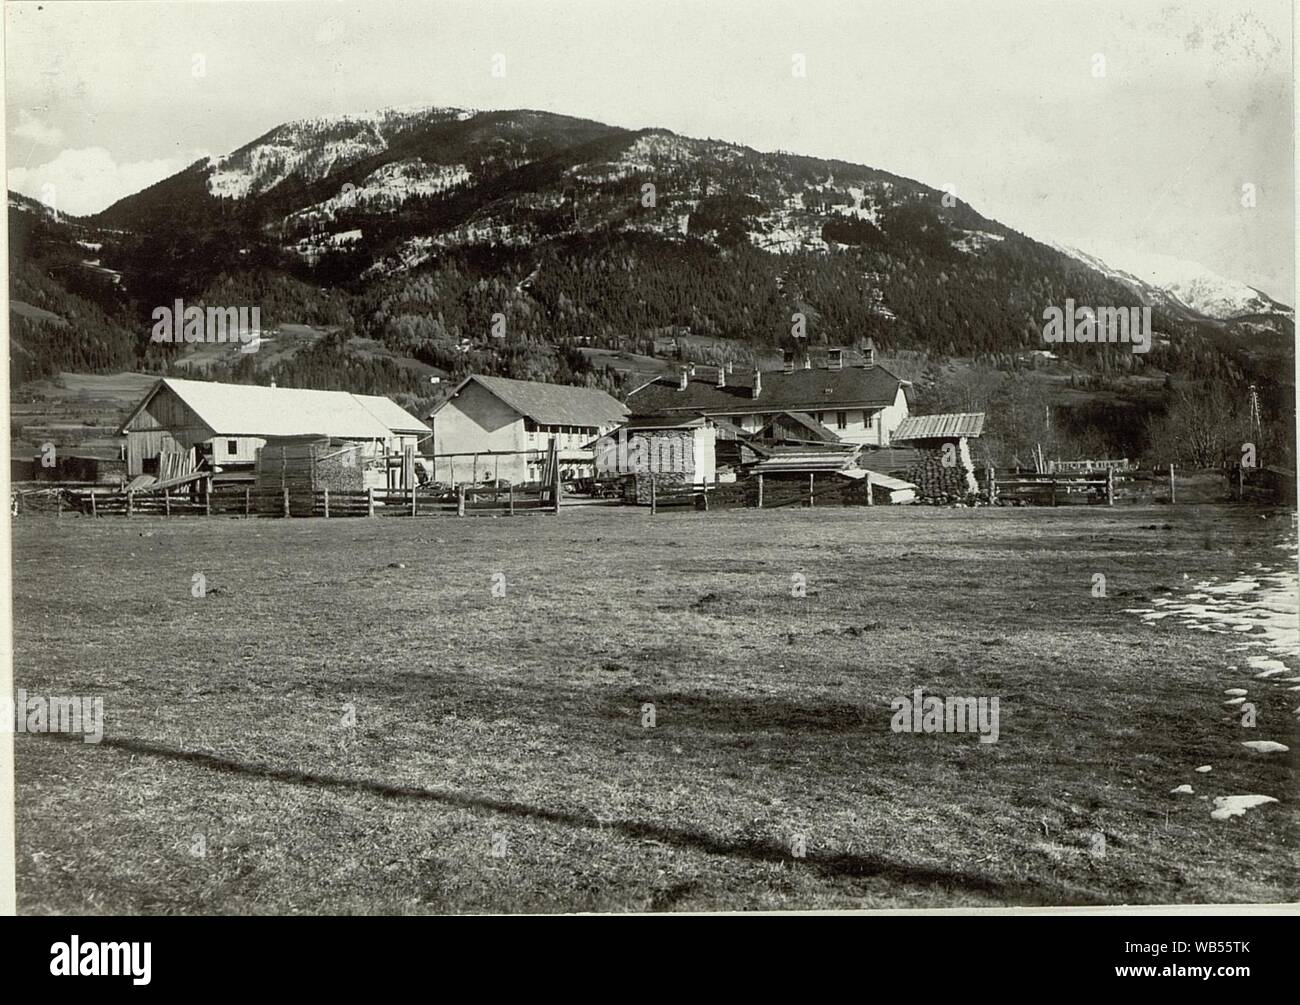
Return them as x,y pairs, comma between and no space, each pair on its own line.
89,179
31,128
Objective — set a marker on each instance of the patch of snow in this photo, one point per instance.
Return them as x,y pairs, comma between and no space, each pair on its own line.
389,187
975,241
1265,746
1235,806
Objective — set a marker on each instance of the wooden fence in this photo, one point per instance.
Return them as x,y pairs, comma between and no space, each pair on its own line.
1023,488
759,493
288,502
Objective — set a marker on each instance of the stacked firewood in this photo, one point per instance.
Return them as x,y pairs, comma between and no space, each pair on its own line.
944,474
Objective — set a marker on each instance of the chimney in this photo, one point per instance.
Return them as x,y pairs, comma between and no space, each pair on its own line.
834,359
787,361
869,354
722,377
682,378
757,389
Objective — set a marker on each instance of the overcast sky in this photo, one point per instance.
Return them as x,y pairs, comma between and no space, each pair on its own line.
1000,98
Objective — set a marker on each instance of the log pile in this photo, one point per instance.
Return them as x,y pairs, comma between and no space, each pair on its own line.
307,464
938,482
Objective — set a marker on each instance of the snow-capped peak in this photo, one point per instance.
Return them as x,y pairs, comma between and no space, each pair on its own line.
1190,283
315,147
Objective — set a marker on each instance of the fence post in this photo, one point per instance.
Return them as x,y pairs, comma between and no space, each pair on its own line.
167,502
1110,486
512,498
94,510
652,495
286,502
760,491
207,497
1171,485
58,503
460,500
327,504
1053,491
811,476
130,502
558,487
871,500
1241,486
413,500
370,501
247,501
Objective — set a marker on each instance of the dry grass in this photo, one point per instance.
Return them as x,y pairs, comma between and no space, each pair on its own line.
480,718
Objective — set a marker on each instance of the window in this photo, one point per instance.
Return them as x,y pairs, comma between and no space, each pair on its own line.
232,447
841,420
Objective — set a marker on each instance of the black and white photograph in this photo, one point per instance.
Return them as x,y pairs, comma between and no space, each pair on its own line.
622,458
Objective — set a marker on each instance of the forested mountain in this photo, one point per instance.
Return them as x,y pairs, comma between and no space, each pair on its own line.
506,242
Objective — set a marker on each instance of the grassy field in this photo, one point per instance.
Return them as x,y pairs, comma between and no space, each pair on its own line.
499,761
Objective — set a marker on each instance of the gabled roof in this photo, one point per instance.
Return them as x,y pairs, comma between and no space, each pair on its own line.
940,427
800,391
391,414
549,404
253,410
803,422
808,460
677,421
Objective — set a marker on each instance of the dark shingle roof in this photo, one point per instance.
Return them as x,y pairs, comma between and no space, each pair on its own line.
801,391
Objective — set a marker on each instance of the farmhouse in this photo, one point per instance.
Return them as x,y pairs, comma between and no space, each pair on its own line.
860,404
497,428
182,425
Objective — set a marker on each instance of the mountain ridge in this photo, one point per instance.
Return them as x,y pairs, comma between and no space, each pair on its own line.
505,241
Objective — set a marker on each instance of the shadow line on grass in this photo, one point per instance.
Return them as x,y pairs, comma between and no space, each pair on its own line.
841,865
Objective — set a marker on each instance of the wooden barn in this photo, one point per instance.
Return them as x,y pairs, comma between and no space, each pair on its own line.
185,425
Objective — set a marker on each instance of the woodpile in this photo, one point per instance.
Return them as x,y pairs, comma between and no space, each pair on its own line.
945,473
307,464
667,483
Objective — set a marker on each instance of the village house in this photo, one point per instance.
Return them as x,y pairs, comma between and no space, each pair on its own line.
496,428
860,404
183,425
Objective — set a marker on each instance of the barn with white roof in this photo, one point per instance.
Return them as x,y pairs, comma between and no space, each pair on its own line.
182,425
